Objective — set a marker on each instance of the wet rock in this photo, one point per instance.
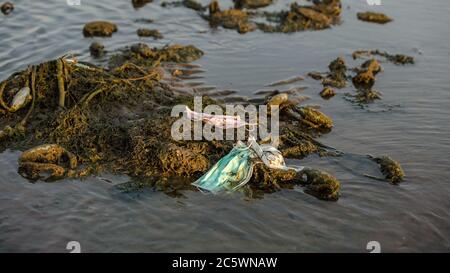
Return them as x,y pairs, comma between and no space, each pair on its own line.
319,15
46,158
142,50
231,18
251,4
337,76
140,3
390,168
97,50
372,65
193,4
278,99
315,119
327,93
7,8
315,16
374,17
321,184
315,75
394,58
364,79
99,29
145,32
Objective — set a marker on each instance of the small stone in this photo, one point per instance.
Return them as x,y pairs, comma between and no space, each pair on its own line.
374,17
99,29
327,93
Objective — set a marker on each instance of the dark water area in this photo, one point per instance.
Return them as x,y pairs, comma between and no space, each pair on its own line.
411,123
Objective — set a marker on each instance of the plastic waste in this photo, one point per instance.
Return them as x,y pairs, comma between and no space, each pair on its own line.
231,172
270,155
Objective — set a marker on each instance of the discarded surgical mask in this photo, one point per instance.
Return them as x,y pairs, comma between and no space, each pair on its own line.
231,172
220,121
270,156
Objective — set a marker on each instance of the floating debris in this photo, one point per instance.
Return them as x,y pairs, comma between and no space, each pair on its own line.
230,173
374,17
99,29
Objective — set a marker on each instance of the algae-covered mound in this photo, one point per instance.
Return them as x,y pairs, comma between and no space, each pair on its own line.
75,119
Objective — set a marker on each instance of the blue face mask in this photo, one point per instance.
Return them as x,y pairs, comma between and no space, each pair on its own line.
230,173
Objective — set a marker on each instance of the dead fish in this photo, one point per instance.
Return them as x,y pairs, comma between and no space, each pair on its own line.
287,81
21,99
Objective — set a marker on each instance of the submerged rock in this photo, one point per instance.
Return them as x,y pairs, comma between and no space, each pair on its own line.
394,58
7,8
321,184
374,17
193,4
99,28
337,77
319,15
145,32
390,168
251,4
140,3
97,49
327,93
231,18
365,78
